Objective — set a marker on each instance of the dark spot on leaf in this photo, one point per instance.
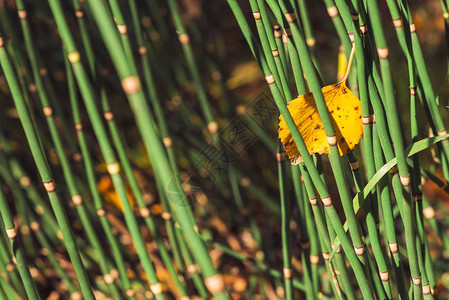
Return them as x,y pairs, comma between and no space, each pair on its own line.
356,108
318,126
338,107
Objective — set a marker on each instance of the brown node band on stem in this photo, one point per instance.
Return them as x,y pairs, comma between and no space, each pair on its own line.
416,281
384,276
79,126
167,141
240,109
269,78
11,233
2,43
214,284
314,259
43,71
405,180
397,22
313,201
142,50
39,209
366,120
290,17
359,250
351,37
77,200
32,88
192,269
363,29
327,201
101,212
144,212
50,186
22,14
277,31
326,255
212,127
131,84
310,42
122,28
10,267
382,52
257,15
275,52
245,182
393,247
74,56
156,288
412,90
412,27
35,226
48,111
426,289
288,273
25,181
166,215
429,212
25,230
113,168
184,39
332,140
332,11
130,293
108,115
338,249
446,15
79,13
108,279
442,132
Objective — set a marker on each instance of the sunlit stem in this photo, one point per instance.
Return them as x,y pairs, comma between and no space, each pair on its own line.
349,63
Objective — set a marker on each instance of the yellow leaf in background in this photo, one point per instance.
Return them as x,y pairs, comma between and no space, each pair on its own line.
244,73
342,64
346,115
110,196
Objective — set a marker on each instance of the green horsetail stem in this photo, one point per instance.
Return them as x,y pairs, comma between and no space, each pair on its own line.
45,173
16,247
300,143
392,112
145,123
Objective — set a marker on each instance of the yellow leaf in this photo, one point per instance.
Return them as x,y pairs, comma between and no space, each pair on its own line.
342,64
110,196
346,115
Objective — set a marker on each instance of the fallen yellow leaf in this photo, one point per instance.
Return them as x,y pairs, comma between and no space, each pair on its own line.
346,115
